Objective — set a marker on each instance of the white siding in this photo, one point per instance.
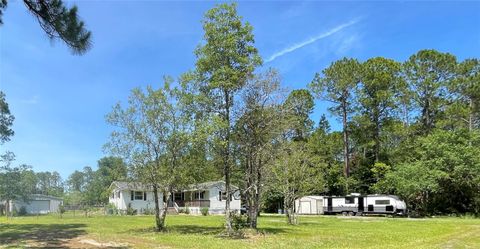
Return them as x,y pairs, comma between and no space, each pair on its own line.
217,206
124,200
309,205
38,205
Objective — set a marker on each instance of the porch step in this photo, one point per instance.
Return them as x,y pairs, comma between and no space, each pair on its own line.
171,210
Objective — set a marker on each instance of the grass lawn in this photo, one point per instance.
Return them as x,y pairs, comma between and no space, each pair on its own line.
202,232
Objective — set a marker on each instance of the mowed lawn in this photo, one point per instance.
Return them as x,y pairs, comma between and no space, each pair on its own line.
203,232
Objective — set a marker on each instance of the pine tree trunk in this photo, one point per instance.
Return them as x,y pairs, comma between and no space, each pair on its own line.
377,138
256,202
226,165
470,118
345,140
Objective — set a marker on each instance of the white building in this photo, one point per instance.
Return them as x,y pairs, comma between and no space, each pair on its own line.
37,204
140,197
310,204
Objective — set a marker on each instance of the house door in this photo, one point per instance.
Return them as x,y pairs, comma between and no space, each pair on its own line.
361,206
329,204
319,206
305,207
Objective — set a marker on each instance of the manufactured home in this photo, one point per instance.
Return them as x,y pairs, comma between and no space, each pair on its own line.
140,197
37,204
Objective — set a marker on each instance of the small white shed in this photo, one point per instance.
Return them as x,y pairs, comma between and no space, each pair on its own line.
38,204
311,204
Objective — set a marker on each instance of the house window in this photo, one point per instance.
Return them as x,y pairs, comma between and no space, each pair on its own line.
113,195
382,202
200,195
178,196
118,194
349,200
138,195
223,196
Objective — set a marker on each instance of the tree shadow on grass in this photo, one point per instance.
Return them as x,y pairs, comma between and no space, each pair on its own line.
40,235
203,230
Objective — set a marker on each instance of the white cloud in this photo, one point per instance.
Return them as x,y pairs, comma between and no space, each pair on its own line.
311,40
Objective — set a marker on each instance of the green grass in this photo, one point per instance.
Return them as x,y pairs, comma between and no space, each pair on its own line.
203,232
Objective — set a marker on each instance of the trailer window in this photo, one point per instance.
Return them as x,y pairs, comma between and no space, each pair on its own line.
382,202
349,200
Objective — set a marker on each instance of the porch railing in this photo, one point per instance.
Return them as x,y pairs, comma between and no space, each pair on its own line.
193,203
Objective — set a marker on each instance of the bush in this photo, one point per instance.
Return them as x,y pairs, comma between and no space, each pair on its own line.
187,210
61,210
239,221
204,211
148,211
130,210
111,209
22,211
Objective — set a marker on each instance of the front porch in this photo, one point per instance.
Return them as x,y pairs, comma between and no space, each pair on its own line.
190,199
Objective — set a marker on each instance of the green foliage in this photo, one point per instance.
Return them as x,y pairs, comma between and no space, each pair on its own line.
111,209
61,209
204,211
225,62
6,118
239,221
299,105
60,22
428,73
22,211
442,175
130,210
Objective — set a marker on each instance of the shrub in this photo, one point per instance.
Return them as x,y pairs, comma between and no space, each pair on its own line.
61,210
204,211
22,211
187,210
148,211
130,210
181,210
239,221
111,209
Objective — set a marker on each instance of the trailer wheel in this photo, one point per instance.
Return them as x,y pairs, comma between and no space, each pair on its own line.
351,214
344,213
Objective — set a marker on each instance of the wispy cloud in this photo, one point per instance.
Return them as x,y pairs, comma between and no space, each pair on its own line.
312,40
31,101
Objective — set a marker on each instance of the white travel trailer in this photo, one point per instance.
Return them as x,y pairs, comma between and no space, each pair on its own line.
356,204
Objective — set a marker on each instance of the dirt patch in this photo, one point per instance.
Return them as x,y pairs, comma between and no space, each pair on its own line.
99,244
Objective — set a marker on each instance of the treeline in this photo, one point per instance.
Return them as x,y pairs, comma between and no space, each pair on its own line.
407,128
82,188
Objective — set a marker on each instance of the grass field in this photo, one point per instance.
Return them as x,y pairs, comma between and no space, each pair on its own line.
203,232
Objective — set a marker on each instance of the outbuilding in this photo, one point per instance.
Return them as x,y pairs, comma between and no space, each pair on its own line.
311,204
37,204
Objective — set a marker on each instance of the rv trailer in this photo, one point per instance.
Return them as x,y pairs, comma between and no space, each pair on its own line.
357,204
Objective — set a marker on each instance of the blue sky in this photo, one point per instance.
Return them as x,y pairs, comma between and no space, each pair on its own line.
60,100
